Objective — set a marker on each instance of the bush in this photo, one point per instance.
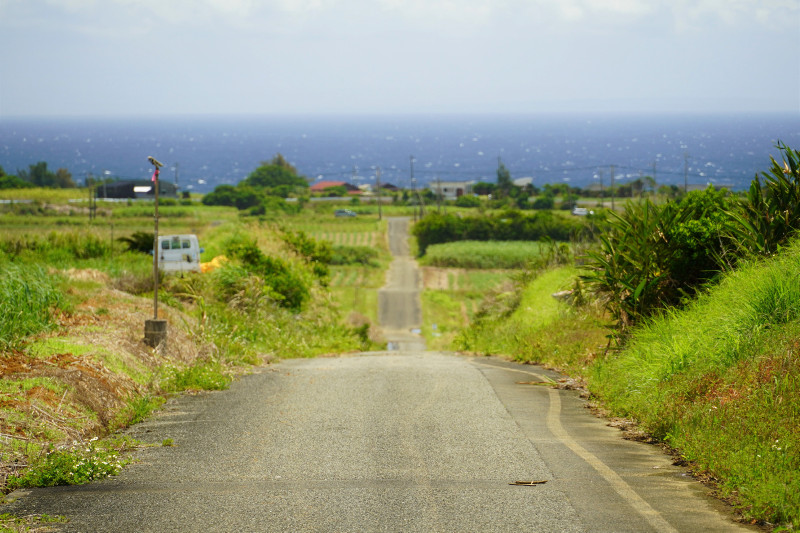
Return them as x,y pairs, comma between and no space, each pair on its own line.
544,202
468,201
139,241
353,255
287,287
771,213
654,257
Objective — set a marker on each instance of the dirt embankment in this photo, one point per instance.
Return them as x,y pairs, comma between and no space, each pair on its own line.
77,382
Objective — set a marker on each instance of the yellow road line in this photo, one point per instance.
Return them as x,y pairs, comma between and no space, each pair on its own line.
619,485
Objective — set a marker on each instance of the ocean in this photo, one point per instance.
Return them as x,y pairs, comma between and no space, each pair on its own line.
202,152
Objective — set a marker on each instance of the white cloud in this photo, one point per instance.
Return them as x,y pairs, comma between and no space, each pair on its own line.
426,13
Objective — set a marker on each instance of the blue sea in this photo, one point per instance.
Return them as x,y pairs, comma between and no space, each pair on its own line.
203,152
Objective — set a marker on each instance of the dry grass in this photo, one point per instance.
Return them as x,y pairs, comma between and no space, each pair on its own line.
74,383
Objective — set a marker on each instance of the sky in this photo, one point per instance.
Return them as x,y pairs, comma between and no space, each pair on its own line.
175,57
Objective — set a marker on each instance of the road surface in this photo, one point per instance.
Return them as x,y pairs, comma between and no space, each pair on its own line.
405,440
399,308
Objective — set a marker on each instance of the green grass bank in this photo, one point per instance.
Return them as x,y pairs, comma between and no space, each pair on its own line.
718,381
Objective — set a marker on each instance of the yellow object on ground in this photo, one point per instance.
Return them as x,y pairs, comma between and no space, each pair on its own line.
213,264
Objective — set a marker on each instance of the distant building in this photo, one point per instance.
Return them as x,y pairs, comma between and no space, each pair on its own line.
451,190
135,189
389,187
321,186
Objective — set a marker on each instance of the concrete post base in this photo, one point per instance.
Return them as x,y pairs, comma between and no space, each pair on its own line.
155,332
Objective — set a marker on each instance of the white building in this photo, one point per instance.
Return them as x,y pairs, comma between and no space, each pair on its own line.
451,190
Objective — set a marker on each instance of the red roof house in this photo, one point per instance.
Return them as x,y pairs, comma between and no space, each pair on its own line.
320,186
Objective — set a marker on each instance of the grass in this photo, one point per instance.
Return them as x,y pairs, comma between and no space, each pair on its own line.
15,524
203,375
720,383
531,325
355,289
482,255
28,296
138,409
73,465
59,388
451,298
442,317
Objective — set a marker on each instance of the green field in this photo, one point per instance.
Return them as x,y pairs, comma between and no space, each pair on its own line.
483,254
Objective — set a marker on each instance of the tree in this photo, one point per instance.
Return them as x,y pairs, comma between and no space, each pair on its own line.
275,173
63,179
546,201
337,191
651,184
11,182
39,176
280,161
504,183
637,187
221,195
483,188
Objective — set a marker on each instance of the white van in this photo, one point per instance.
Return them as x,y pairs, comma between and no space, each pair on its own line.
179,253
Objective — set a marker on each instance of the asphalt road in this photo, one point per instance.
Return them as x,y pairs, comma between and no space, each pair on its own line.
399,309
391,441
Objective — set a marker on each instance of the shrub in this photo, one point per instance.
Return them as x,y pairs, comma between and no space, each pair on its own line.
287,286
139,241
654,256
468,201
547,201
353,255
771,211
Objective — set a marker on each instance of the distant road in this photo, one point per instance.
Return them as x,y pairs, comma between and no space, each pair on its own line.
405,441
399,308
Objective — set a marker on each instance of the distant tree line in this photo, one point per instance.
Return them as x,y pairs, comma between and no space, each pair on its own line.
37,175
264,190
511,225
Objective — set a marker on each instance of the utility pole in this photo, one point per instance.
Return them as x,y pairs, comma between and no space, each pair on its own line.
641,185
438,194
612,187
111,219
602,192
155,330
655,181
378,186
91,186
413,185
176,178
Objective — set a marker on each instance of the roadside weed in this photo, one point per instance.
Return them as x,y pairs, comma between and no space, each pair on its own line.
73,465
